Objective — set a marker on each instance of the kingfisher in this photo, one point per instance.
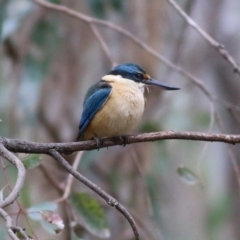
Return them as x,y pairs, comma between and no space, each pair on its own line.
113,107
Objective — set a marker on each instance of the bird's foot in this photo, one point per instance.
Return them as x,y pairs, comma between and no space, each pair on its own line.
125,140
98,142
116,139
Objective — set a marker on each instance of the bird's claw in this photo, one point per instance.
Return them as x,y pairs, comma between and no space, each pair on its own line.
98,142
125,140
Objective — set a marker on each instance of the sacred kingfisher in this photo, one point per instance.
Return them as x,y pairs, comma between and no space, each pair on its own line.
114,106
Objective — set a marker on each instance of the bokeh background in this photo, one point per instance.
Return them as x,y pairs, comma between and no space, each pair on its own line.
176,190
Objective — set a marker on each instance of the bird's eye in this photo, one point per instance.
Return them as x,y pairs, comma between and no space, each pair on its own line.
138,76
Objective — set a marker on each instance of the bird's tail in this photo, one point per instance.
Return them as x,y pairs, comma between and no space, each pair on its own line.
79,137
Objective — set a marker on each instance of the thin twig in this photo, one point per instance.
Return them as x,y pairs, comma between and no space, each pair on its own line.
51,179
219,47
70,178
109,199
12,229
90,20
231,154
103,44
21,209
20,178
9,225
204,150
235,165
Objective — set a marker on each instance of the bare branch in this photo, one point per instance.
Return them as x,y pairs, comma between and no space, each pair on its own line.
103,44
109,199
21,210
90,21
70,178
15,145
51,178
219,47
9,225
20,178
12,229
235,165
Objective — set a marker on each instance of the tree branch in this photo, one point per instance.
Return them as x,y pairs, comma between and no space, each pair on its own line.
12,230
109,199
15,145
9,225
20,178
56,149
90,21
219,47
69,182
103,44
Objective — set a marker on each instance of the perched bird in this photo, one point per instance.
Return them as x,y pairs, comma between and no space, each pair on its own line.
114,106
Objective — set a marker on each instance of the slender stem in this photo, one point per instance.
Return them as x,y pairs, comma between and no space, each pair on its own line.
109,199
20,178
9,225
8,220
219,47
70,178
103,44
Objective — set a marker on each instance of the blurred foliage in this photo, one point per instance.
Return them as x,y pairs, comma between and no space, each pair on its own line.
99,7
218,215
31,161
46,39
149,127
91,214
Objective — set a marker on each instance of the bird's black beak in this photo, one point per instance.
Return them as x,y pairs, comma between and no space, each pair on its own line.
159,84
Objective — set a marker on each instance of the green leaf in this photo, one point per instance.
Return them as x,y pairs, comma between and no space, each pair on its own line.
52,222
44,213
31,161
34,212
187,175
91,214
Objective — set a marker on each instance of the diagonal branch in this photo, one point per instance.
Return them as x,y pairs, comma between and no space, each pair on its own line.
109,199
103,44
12,230
90,20
20,178
9,225
69,182
219,47
15,145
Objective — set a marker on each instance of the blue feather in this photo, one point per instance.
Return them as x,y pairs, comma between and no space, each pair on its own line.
94,100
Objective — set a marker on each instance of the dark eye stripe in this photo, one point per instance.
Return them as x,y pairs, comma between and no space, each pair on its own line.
138,76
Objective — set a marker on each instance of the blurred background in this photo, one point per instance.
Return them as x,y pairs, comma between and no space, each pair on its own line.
176,190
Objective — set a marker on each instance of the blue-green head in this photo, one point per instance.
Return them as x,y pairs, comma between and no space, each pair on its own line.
134,72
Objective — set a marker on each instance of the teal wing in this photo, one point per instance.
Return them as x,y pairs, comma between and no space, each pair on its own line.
95,98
